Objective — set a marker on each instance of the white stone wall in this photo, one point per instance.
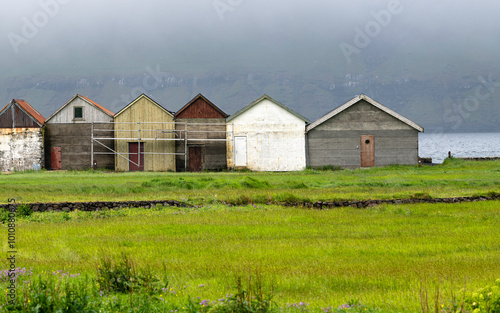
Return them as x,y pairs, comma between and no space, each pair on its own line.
20,149
275,138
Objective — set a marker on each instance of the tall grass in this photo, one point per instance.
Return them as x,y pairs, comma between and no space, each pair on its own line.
378,256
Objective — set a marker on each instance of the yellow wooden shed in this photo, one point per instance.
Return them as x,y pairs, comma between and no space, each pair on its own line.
144,137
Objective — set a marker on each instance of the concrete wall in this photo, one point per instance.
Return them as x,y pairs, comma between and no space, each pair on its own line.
90,113
337,141
20,149
75,143
275,138
214,155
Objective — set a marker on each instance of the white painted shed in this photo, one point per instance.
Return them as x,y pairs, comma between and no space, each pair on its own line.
266,136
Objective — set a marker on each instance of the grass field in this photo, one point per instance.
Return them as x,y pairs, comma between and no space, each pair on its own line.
381,256
454,178
324,258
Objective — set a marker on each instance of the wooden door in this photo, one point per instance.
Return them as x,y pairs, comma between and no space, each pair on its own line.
55,158
136,158
367,150
195,159
240,151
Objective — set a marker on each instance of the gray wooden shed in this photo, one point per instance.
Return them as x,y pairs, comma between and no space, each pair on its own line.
68,136
362,133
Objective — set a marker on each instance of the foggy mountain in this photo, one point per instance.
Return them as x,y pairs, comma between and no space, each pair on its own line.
435,63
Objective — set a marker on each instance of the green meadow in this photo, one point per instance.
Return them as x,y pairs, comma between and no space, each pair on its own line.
453,178
387,258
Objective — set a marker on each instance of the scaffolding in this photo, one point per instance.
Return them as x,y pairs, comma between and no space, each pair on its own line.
150,132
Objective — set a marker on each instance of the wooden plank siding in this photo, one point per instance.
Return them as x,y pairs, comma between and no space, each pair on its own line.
74,139
214,155
74,135
13,116
337,140
200,107
203,120
154,122
90,113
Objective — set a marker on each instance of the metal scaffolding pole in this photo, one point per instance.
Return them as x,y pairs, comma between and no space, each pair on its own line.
185,147
97,136
92,145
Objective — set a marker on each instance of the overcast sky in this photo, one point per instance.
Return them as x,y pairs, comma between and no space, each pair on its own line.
66,31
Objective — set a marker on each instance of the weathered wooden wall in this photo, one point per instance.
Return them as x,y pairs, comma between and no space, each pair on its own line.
275,138
21,149
199,108
75,142
90,114
337,141
213,152
14,117
154,122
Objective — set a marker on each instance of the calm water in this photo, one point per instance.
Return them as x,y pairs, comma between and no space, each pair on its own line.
466,145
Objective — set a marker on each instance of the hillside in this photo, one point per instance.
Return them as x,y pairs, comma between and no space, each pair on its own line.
430,77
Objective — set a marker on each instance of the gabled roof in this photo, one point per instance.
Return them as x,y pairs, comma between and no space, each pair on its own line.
370,101
206,100
95,104
26,107
147,97
266,97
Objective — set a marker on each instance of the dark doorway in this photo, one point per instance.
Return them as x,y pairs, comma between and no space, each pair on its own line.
367,150
195,159
136,159
55,158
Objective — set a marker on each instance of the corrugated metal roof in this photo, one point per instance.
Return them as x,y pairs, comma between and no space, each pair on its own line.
148,97
91,102
204,98
355,100
266,97
23,104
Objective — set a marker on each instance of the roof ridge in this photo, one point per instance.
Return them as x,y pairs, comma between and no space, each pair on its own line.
355,100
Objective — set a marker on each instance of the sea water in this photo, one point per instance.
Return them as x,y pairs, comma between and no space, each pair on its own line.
466,145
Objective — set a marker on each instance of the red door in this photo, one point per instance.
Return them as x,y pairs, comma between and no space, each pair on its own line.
195,159
136,159
367,150
55,158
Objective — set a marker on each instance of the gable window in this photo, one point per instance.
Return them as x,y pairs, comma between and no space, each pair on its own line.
78,113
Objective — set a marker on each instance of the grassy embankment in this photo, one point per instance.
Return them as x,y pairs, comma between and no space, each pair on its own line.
454,178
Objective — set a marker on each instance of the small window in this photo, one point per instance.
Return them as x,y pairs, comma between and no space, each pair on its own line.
78,113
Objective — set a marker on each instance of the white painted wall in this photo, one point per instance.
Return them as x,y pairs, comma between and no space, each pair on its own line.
90,114
20,149
275,138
